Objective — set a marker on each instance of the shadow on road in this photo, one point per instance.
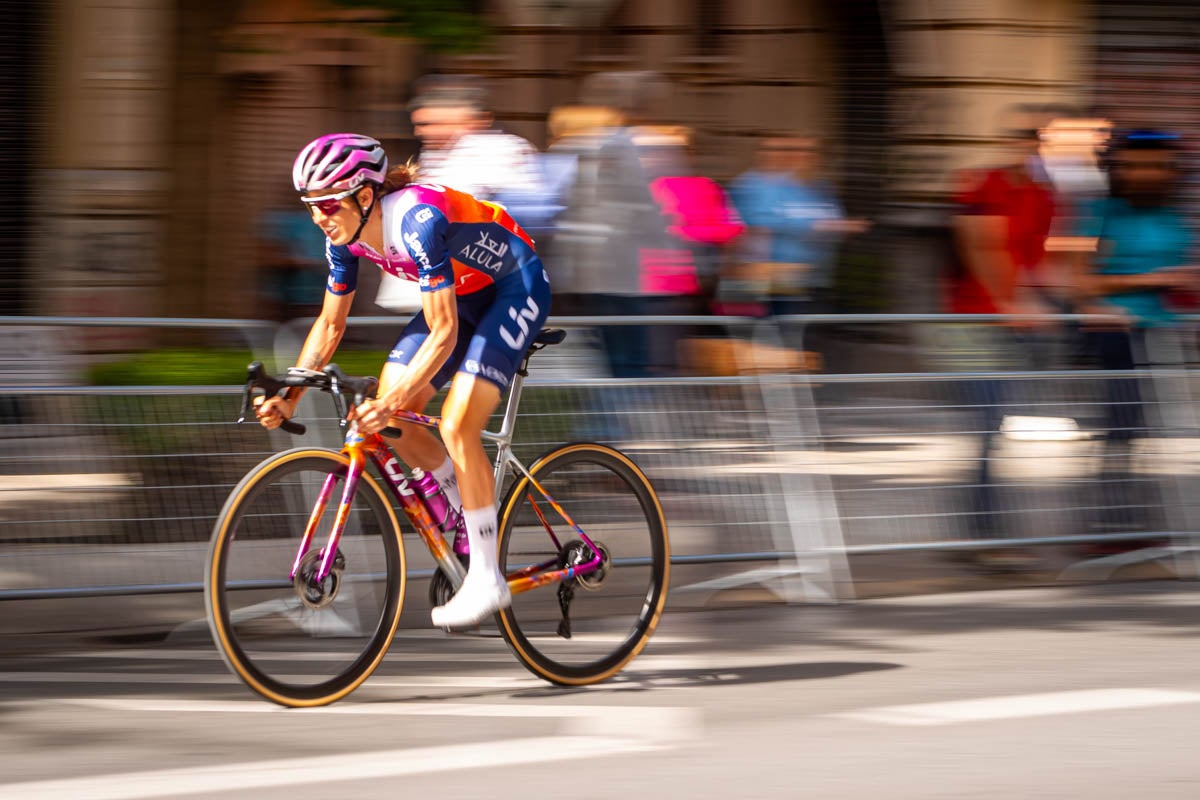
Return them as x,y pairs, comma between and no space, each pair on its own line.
641,680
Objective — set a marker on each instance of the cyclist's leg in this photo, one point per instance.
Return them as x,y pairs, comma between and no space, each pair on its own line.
465,412
495,351
469,405
418,447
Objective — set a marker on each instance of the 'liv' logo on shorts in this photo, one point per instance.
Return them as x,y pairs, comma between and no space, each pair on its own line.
522,318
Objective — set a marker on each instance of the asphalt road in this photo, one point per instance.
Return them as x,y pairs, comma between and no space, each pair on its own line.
1061,692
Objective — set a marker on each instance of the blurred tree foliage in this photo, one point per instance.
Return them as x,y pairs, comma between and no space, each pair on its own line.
451,26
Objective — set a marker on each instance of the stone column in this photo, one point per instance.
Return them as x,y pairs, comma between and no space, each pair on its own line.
780,76
959,64
104,184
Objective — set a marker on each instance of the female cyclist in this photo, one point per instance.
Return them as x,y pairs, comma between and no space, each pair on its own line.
484,296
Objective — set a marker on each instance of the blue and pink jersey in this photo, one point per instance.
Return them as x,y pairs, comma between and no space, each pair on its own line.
438,237
445,239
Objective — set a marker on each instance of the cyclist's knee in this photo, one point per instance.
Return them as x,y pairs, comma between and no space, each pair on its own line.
389,377
454,429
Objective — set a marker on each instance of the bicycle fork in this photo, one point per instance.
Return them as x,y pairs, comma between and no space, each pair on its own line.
356,449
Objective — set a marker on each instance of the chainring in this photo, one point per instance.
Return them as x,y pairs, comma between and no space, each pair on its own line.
440,588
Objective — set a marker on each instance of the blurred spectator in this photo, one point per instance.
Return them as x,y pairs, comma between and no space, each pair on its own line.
701,220
1001,221
576,133
677,267
795,224
1003,216
461,149
610,217
292,261
611,254
1136,245
1071,150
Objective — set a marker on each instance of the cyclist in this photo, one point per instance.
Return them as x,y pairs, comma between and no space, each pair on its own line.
484,296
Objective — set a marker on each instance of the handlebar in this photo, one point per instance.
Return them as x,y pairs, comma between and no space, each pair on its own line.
331,379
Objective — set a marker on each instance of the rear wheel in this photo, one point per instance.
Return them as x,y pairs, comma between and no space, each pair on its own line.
299,641
586,628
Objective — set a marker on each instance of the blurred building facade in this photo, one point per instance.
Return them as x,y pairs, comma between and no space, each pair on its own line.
170,126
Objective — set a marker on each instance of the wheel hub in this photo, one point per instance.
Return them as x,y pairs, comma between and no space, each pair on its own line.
318,594
578,553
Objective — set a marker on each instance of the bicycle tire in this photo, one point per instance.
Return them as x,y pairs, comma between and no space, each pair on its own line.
596,486
270,502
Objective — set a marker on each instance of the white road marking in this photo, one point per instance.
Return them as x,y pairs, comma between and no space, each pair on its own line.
660,722
316,770
1018,706
586,732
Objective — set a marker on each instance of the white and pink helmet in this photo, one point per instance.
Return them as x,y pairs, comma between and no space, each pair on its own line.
338,162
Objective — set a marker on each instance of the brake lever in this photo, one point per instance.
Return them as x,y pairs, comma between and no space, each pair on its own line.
257,378
254,377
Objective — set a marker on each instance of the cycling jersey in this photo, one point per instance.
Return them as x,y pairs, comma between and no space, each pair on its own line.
438,237
441,238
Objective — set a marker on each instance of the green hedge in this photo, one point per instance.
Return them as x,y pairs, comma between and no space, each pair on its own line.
207,367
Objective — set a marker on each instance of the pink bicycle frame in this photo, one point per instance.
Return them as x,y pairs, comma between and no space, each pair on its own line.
358,448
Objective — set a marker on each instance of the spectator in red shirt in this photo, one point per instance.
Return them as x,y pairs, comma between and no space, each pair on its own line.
1001,225
1001,220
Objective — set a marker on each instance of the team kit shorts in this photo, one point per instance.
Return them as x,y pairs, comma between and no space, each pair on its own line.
496,325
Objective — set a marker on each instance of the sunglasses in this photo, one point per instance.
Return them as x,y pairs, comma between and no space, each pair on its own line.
329,204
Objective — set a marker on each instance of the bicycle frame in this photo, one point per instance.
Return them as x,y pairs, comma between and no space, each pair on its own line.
359,448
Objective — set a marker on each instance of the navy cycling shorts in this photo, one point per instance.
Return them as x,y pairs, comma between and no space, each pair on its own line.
496,325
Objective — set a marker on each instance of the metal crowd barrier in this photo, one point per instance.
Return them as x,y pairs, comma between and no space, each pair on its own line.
765,476
985,436
114,490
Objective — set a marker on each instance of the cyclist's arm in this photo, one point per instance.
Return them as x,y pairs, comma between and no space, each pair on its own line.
327,330
324,336
423,230
319,345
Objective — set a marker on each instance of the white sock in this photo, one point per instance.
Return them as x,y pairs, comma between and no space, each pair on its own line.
481,534
449,482
484,591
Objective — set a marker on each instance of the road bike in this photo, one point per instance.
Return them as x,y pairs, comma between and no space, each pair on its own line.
307,572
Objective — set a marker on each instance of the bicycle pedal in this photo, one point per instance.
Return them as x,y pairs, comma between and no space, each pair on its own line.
474,630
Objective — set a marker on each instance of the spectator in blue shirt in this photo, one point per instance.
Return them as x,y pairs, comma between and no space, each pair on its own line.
795,223
1140,245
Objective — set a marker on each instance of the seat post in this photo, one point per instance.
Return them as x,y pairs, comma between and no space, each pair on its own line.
510,408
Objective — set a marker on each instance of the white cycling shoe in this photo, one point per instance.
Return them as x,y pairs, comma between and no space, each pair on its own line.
477,598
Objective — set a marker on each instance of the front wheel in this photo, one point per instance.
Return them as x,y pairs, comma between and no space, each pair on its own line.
588,627
300,641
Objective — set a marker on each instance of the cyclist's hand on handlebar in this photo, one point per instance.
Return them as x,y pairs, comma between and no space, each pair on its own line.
372,415
273,411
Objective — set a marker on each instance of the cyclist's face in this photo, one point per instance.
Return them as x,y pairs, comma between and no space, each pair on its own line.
438,127
339,213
